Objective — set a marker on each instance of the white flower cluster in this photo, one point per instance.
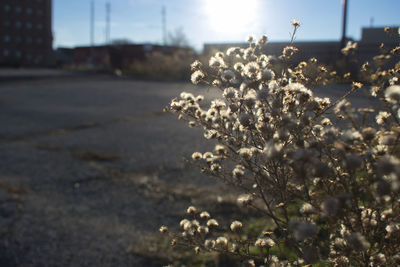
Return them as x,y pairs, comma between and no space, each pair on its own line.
281,145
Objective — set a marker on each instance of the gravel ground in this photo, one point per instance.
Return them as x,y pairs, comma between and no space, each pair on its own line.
90,166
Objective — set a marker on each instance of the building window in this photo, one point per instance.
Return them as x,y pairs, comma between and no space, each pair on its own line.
6,52
39,26
7,8
18,40
39,59
7,39
18,9
29,11
29,40
18,24
39,41
29,25
18,54
6,23
40,12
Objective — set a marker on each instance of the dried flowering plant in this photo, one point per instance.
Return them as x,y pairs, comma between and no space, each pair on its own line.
326,175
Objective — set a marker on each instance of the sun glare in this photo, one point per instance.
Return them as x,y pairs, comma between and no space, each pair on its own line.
231,16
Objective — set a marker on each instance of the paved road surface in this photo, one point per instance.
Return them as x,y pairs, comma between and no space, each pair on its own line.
90,166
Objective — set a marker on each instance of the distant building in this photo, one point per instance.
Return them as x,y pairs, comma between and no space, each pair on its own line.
327,52
378,35
372,38
25,33
118,56
64,56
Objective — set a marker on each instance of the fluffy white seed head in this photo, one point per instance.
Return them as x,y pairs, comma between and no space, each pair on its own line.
222,241
244,199
264,243
307,209
252,70
209,244
163,229
191,210
212,223
228,76
197,156
236,226
197,76
230,93
205,215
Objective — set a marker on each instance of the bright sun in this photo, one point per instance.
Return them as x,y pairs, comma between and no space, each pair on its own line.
230,16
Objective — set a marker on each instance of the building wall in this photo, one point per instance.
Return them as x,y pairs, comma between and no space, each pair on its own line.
327,52
118,56
378,35
372,38
25,33
98,56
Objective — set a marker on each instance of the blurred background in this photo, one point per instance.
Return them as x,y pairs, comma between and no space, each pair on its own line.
90,166
139,37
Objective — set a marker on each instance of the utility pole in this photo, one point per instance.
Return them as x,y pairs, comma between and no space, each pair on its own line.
91,58
164,24
108,22
343,41
92,23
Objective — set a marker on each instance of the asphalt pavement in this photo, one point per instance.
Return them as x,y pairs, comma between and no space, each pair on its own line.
90,167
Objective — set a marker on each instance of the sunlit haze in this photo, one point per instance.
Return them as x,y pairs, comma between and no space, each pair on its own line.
210,21
229,17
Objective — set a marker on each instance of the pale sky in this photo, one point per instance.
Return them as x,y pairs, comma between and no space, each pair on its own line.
211,21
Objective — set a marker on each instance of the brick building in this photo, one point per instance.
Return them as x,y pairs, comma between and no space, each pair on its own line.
25,33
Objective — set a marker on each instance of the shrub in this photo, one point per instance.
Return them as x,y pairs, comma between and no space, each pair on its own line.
325,175
158,65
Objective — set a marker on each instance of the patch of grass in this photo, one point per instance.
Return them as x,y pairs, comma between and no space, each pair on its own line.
12,189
